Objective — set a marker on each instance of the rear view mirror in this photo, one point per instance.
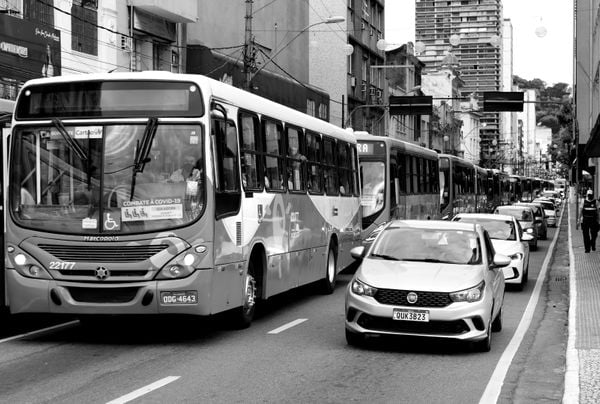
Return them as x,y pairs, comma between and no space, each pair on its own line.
501,260
358,252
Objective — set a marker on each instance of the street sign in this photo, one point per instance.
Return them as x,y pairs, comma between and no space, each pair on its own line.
494,101
411,105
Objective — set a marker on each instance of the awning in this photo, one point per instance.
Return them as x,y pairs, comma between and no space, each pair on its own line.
592,147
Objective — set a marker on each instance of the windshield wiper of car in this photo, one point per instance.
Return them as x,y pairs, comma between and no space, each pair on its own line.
142,151
385,257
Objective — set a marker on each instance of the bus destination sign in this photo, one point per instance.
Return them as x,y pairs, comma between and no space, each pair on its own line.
371,148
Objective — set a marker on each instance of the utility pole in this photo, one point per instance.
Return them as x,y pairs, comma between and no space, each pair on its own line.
249,54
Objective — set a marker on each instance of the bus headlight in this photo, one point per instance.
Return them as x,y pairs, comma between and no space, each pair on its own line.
180,267
25,265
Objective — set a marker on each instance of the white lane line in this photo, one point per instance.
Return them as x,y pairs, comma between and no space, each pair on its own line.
41,331
494,386
571,393
288,325
144,390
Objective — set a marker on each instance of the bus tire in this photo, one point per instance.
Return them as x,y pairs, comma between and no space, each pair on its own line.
327,284
242,316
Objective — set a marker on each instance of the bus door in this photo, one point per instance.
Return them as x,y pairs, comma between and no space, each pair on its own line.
228,238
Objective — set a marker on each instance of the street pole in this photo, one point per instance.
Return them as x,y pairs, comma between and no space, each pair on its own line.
249,56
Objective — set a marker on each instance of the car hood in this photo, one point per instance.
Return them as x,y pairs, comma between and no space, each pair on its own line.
508,247
423,276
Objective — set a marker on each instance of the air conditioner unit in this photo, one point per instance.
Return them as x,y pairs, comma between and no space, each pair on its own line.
126,43
353,81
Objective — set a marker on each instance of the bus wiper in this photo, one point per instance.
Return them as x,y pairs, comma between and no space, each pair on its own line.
72,143
142,151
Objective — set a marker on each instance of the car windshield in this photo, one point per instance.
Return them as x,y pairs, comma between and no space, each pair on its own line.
428,245
524,215
497,229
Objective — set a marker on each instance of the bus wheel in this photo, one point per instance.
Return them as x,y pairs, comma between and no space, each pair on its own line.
328,282
243,316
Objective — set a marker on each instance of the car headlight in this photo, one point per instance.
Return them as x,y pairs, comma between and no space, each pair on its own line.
516,256
362,289
473,294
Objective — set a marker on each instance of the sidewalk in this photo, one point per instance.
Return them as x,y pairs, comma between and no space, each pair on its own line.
582,376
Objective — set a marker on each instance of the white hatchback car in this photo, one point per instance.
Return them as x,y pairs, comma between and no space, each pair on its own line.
428,278
509,239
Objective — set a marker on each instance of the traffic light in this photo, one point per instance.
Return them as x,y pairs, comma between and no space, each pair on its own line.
411,105
494,101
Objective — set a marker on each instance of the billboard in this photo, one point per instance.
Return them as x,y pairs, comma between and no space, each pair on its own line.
28,49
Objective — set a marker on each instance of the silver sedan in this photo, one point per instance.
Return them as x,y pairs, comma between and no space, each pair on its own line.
428,278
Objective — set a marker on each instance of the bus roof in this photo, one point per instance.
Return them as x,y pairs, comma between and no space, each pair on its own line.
220,90
393,142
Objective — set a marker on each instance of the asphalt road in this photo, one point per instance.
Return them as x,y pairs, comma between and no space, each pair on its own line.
295,351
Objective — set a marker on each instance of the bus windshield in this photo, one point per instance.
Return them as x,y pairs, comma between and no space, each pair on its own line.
91,178
373,180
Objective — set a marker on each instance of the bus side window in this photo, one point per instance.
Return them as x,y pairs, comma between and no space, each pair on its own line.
296,158
227,181
249,144
273,155
315,171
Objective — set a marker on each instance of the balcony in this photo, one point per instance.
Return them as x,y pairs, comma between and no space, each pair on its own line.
182,11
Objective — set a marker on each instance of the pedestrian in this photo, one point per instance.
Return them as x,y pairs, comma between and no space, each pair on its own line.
589,221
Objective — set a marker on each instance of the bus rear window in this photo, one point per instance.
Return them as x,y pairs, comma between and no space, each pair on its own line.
110,99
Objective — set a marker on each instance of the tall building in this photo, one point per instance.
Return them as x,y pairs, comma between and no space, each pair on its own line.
469,32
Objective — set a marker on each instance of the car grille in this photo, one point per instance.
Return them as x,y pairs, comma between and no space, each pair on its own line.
102,295
425,299
415,327
88,253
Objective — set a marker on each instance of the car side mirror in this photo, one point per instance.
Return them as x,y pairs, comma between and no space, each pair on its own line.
526,237
358,253
500,261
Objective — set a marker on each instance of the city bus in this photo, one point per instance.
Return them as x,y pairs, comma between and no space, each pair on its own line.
400,180
160,193
457,186
6,111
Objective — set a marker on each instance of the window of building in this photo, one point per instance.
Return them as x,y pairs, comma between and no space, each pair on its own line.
310,107
37,11
84,26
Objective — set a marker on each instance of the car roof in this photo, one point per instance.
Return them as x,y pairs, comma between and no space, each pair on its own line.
435,224
524,207
491,216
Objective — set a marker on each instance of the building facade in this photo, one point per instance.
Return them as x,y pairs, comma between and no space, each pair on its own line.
469,31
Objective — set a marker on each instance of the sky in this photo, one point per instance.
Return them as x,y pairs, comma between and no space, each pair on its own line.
548,57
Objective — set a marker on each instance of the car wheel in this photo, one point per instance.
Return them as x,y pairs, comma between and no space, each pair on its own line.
328,282
354,338
497,323
242,316
485,345
524,277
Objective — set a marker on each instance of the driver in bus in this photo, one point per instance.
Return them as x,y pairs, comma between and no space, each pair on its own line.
191,170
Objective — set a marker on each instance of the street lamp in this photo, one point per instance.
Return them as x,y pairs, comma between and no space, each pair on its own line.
329,20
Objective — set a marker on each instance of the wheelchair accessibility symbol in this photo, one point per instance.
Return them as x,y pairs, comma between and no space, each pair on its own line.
110,223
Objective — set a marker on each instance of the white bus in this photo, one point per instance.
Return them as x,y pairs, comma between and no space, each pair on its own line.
399,180
6,111
157,193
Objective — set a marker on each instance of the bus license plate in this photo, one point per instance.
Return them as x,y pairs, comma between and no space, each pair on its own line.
186,297
411,315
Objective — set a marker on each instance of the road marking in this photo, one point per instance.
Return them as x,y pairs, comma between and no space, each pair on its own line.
41,331
144,390
288,325
494,386
571,393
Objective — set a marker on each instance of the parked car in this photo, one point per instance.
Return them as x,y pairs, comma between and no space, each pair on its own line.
509,239
549,210
429,278
540,218
526,218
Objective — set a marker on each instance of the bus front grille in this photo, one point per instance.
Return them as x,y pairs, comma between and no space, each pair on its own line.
113,273
102,295
89,253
